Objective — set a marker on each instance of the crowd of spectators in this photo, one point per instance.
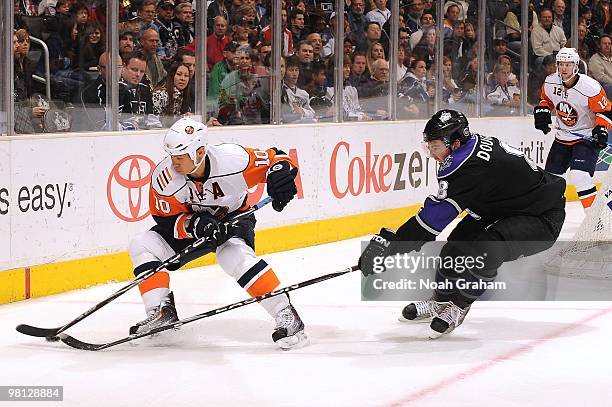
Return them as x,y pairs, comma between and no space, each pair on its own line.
157,48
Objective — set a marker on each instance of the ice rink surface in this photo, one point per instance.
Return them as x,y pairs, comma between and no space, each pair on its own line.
505,354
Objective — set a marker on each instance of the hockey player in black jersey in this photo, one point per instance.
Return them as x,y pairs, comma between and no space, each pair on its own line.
514,209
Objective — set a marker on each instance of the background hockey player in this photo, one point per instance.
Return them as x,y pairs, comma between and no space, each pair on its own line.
193,191
515,208
583,117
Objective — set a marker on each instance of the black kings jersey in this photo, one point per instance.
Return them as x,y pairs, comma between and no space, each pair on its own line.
490,180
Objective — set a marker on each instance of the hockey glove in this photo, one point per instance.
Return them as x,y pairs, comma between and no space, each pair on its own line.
204,225
373,257
281,184
600,137
541,117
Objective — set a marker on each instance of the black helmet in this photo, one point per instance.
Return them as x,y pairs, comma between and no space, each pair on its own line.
447,125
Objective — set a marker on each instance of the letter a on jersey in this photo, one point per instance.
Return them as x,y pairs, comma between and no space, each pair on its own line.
217,191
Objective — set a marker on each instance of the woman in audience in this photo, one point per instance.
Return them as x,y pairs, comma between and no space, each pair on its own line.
171,100
375,51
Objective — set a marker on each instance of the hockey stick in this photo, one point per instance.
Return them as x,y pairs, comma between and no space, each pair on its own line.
51,333
582,136
78,344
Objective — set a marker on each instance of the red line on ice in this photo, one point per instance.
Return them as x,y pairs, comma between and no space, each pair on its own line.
27,282
504,357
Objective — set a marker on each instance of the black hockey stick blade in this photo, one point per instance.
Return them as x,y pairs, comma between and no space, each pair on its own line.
78,344
52,333
38,332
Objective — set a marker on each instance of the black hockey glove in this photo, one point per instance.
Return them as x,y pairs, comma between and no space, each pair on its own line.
281,184
541,117
600,137
372,258
204,225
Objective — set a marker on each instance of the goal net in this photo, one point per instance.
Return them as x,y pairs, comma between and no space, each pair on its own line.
589,254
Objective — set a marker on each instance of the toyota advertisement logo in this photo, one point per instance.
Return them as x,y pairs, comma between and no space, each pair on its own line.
127,189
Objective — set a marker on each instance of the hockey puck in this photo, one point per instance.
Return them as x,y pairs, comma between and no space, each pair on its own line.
52,338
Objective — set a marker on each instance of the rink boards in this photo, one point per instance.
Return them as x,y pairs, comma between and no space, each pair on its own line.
69,205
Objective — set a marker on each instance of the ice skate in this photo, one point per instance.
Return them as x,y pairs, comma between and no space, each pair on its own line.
450,318
164,314
419,311
289,331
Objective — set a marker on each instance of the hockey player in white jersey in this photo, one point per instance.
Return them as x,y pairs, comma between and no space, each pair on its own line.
583,116
193,191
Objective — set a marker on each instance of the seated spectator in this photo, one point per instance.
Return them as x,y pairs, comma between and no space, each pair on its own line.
458,47
404,39
135,99
357,23
305,55
171,99
314,39
584,47
240,30
375,52
512,22
452,17
244,97
92,46
155,72
374,93
537,78
451,92
168,43
126,43
560,18
295,101
504,94
504,61
380,13
500,47
427,21
372,34
91,101
146,13
350,103
401,68
327,36
317,92
359,70
266,33
296,25
426,48
413,19
546,38
600,64
413,96
183,24
23,67
216,8
221,69
215,43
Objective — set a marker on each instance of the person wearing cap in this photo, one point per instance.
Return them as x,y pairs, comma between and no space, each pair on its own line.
168,43
222,68
216,42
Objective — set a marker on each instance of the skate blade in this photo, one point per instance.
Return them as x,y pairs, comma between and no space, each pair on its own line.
414,321
299,340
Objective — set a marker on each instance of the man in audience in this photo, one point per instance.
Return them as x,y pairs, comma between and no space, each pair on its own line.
295,101
380,13
600,64
413,19
357,23
215,43
183,24
135,99
155,68
126,43
296,25
546,38
222,68
168,43
374,93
